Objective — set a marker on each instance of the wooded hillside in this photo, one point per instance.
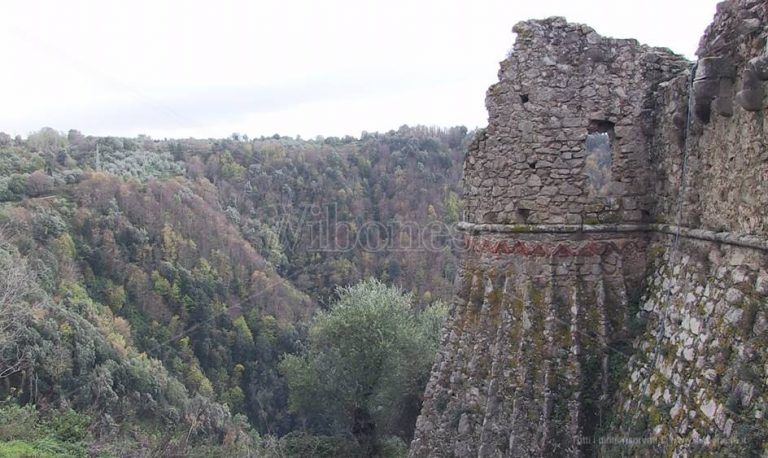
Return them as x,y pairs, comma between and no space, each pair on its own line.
154,285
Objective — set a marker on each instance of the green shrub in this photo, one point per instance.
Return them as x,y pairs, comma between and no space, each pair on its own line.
69,426
394,447
21,449
17,422
47,225
299,444
23,435
18,184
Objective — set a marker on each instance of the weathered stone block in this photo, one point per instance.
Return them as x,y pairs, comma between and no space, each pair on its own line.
705,90
751,99
715,68
760,67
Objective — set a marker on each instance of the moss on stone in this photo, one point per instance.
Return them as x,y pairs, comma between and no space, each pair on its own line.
536,296
517,228
591,221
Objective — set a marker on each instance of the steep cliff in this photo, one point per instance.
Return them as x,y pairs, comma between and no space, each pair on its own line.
612,297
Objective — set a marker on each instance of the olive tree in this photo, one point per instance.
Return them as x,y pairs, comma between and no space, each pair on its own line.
366,364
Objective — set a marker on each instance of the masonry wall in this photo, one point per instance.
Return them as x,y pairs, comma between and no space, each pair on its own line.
613,290
727,168
524,367
561,82
697,380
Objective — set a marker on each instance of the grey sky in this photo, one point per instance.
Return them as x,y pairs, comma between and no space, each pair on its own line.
208,69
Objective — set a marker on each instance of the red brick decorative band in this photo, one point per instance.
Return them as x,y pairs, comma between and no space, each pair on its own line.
558,249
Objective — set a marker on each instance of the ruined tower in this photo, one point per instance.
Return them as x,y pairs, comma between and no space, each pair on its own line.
590,188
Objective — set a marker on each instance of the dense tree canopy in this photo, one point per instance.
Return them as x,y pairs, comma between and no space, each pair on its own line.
159,283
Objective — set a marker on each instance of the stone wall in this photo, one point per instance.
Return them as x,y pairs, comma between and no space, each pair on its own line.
697,382
614,285
727,167
548,275
523,366
560,83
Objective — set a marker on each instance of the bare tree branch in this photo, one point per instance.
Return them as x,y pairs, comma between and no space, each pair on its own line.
17,288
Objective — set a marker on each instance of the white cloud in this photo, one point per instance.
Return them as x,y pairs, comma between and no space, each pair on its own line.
170,68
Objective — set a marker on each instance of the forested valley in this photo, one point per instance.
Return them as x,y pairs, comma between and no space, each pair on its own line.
230,297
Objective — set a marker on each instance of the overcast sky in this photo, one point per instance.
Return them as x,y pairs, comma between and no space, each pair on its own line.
208,69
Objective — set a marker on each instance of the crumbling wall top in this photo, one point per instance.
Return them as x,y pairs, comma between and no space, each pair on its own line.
569,122
732,32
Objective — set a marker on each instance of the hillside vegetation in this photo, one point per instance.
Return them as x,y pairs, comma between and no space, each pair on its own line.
152,288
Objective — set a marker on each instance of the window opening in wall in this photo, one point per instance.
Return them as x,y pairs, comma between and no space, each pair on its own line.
522,215
597,165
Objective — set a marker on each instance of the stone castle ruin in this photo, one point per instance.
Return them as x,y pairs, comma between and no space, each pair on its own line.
613,297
